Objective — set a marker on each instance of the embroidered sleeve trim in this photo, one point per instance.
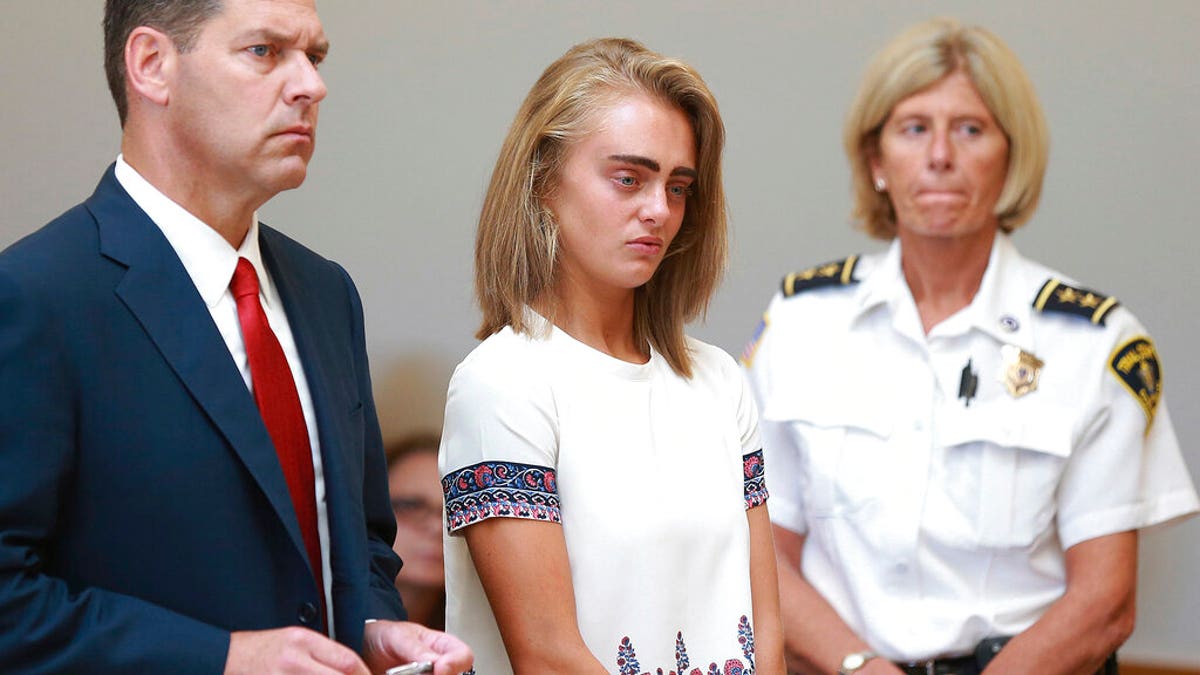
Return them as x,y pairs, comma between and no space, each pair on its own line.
754,478
500,489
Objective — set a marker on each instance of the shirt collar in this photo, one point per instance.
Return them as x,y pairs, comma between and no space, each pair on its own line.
882,284
1004,317
208,259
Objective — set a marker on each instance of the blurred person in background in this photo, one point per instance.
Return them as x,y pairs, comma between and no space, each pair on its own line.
416,491
964,443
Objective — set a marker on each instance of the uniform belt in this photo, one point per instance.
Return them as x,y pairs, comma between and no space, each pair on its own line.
961,665
973,664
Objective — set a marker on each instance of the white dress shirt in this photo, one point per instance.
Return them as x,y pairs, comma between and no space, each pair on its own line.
210,261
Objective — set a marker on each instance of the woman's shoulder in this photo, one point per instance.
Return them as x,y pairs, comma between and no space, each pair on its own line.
710,362
708,355
503,360
1062,304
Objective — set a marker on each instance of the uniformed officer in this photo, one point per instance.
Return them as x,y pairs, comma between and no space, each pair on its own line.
971,440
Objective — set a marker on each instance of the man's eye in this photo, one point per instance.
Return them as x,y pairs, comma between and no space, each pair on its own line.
260,50
627,181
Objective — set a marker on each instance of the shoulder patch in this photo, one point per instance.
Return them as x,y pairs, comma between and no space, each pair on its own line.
751,348
1135,363
1055,296
839,273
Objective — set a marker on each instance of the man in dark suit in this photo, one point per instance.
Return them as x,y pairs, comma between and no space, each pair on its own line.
191,474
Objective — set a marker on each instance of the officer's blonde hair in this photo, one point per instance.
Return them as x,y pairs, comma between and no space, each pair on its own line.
918,58
516,243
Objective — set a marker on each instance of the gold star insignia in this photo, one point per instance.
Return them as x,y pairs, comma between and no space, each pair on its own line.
1091,301
1067,294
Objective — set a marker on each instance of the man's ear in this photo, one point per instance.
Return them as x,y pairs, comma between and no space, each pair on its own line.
150,63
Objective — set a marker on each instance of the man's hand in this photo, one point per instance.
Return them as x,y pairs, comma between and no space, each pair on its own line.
393,643
289,650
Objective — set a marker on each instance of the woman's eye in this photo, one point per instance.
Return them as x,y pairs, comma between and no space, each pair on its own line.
913,128
972,129
680,191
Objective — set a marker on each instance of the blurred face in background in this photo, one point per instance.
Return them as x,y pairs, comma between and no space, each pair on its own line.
943,160
416,491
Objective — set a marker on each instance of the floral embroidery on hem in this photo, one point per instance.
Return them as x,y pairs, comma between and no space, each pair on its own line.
627,663
504,489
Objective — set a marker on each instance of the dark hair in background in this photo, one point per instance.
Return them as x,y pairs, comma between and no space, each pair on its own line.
421,441
181,20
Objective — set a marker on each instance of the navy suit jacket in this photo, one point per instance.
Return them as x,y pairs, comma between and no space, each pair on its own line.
143,511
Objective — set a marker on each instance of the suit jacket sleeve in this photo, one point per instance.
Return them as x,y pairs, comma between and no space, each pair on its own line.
46,625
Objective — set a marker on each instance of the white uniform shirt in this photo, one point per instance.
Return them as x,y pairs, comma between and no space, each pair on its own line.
209,261
648,474
935,520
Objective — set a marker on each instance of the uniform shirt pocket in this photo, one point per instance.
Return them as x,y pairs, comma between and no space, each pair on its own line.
999,476
839,441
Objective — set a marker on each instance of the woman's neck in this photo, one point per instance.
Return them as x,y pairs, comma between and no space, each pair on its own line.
599,318
943,274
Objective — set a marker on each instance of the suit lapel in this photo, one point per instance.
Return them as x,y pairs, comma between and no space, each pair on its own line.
161,296
303,299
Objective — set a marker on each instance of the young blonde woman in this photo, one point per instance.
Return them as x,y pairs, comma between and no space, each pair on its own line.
603,477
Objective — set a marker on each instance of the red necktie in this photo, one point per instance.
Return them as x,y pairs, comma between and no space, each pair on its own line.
279,404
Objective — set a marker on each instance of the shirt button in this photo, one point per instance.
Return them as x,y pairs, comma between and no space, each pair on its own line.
307,614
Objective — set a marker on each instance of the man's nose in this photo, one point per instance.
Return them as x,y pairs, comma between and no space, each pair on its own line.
305,82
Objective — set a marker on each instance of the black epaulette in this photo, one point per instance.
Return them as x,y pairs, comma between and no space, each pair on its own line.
840,273
1055,296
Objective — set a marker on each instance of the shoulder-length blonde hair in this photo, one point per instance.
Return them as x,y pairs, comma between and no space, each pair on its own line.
517,240
920,57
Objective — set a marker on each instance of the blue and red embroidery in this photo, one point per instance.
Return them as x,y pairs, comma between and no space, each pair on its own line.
505,489
627,663
754,478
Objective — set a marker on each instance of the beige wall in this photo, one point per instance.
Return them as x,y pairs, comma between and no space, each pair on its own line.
422,92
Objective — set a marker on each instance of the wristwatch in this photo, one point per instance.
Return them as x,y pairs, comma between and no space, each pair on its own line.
854,661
